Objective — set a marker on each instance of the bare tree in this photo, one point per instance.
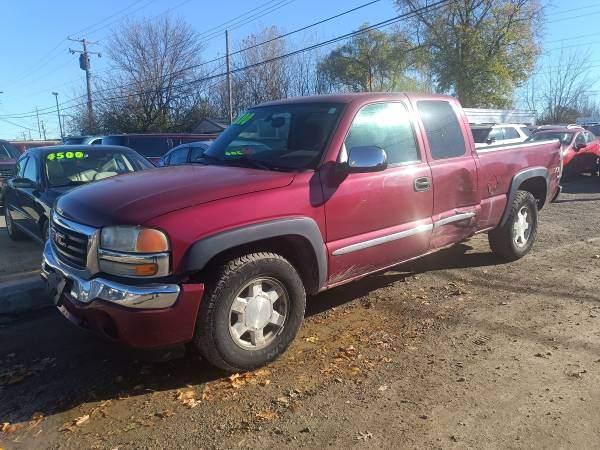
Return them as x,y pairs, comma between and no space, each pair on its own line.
565,87
153,84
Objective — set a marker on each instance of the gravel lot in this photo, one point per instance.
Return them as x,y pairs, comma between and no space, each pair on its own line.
457,350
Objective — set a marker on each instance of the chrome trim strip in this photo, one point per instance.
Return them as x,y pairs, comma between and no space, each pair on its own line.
451,219
383,239
162,260
520,145
152,296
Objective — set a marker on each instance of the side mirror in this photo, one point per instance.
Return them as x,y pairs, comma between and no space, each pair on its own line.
23,183
579,146
490,141
366,159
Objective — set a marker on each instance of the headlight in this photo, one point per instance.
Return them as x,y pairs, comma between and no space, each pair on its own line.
134,240
134,252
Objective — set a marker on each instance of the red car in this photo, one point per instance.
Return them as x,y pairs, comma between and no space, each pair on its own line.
580,149
295,197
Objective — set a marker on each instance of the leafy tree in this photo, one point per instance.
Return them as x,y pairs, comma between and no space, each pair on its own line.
478,50
371,61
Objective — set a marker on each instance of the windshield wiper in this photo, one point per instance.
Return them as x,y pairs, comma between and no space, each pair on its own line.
71,183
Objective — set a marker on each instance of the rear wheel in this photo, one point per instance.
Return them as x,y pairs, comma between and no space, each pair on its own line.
514,239
13,232
252,312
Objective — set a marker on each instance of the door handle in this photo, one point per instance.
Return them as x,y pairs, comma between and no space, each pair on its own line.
422,184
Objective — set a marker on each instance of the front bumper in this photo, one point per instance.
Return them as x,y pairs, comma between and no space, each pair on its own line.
149,316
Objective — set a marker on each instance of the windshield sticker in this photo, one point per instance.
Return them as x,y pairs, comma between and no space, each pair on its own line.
243,119
58,156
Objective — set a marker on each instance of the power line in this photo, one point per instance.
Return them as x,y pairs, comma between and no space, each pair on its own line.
298,30
384,23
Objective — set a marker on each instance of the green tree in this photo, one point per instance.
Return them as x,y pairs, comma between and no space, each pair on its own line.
478,50
371,61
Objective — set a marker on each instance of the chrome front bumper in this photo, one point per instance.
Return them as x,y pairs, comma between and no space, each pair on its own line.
153,296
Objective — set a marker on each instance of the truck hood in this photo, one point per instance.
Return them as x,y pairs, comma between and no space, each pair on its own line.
135,198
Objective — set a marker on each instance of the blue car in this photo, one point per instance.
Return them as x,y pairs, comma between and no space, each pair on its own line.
184,154
43,174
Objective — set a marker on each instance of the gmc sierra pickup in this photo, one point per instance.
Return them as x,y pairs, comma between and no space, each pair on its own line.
295,197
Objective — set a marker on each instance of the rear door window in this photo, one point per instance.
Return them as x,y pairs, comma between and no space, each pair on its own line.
443,130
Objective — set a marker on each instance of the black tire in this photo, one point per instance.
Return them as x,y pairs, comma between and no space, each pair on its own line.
213,337
504,240
13,232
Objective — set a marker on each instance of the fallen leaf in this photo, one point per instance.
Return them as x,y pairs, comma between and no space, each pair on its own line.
164,414
81,420
363,436
9,428
312,339
36,418
267,415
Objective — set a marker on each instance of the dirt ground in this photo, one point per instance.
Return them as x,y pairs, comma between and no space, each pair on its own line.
455,351
17,257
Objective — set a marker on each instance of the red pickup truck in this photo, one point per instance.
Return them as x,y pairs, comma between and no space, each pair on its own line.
295,197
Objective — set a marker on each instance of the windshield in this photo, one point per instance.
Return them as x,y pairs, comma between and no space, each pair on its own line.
564,138
480,135
72,168
281,137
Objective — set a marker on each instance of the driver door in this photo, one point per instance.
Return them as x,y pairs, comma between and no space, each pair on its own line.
378,219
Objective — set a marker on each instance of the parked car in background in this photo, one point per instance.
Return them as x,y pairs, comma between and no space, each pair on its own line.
23,146
8,158
184,154
154,145
499,134
83,140
580,149
44,174
593,128
295,197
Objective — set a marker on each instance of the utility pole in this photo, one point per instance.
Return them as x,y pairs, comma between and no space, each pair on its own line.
24,136
84,64
29,135
58,113
230,102
38,120
44,129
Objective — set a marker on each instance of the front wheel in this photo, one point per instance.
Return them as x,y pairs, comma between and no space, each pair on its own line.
514,239
13,232
252,312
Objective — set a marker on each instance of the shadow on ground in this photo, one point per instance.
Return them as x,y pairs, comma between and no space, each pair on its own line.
63,367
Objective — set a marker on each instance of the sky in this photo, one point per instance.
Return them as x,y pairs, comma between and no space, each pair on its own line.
36,61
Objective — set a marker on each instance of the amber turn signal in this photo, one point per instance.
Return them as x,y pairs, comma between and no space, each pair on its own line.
146,270
151,241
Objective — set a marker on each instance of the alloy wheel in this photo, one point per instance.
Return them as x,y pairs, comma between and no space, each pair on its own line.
258,313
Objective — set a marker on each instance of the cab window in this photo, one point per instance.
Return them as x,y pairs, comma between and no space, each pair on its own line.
443,130
387,126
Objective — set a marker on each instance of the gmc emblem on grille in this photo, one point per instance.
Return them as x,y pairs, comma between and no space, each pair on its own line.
60,239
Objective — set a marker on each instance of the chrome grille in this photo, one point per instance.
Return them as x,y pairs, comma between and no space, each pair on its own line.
71,247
